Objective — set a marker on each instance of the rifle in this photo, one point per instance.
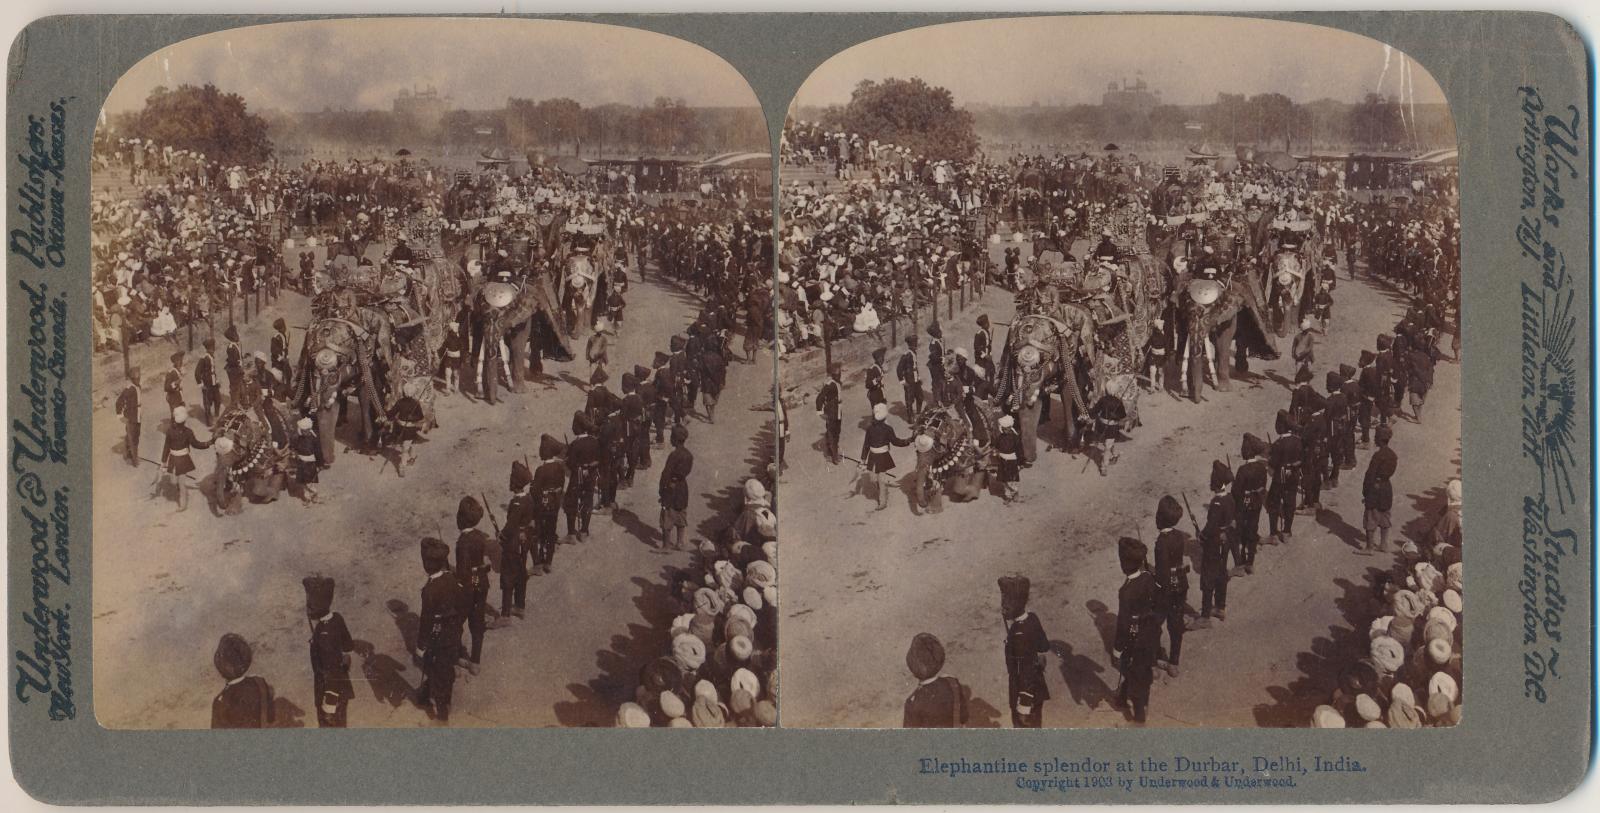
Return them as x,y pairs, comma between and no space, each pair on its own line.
489,511
1190,511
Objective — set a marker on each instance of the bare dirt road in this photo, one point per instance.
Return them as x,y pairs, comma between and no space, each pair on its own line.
861,582
168,584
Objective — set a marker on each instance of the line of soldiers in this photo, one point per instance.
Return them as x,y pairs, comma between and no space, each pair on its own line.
1315,439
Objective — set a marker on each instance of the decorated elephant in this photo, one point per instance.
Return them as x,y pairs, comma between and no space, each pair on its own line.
1215,315
259,460
510,312
378,333
960,440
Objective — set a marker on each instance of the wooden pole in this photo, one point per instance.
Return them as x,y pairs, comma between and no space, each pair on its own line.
126,365
827,343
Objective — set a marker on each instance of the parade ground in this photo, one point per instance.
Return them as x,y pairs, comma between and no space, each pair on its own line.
861,583
168,583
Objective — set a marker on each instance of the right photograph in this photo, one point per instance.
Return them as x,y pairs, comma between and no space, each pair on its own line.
1119,368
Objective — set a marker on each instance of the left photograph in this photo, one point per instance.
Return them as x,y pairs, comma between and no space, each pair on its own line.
433,381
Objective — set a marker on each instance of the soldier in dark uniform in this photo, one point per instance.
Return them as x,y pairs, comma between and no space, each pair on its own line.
1173,576
982,347
640,432
663,388
1314,430
205,374
693,361
1373,392
1218,540
677,376
613,440
827,404
938,701
936,371
439,630
307,450
472,571
673,490
874,380
910,378
405,428
1285,459
1337,408
549,485
629,411
177,457
1377,493
172,384
584,454
130,407
1385,364
331,646
713,378
279,353
451,355
1249,492
1420,361
1026,645
233,365
245,700
1138,636
514,542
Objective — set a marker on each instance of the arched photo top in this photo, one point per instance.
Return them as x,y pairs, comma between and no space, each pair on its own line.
458,85
1209,82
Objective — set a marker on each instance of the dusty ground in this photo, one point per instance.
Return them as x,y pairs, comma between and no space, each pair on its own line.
861,583
168,584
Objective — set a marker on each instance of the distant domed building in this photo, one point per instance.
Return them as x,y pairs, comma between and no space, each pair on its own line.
1131,98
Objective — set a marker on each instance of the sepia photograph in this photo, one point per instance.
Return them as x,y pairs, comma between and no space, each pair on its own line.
1121,362
433,381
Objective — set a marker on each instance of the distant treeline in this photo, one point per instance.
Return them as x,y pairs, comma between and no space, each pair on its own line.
557,126
1269,120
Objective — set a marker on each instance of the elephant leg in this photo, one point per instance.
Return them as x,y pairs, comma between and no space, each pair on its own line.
1224,344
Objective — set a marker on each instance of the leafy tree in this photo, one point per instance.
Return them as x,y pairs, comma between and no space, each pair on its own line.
912,114
205,119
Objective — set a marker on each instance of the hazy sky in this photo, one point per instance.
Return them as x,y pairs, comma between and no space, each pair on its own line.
1070,60
362,64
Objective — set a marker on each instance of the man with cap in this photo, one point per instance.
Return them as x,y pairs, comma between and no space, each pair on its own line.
678,379
1419,369
172,383
1285,459
130,407
1138,635
694,349
405,424
639,432
205,374
245,701
664,389
628,412
936,371
548,492
233,365
713,378
1370,389
938,701
331,646
1218,540
439,630
612,438
982,346
827,403
307,450
1025,648
910,378
1383,363
874,379
1173,576
1314,429
876,457
583,464
1340,426
514,542
1249,492
673,490
472,571
1377,493
1008,450
177,458
279,354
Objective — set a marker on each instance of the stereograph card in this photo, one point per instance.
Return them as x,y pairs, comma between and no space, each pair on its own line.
1151,381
